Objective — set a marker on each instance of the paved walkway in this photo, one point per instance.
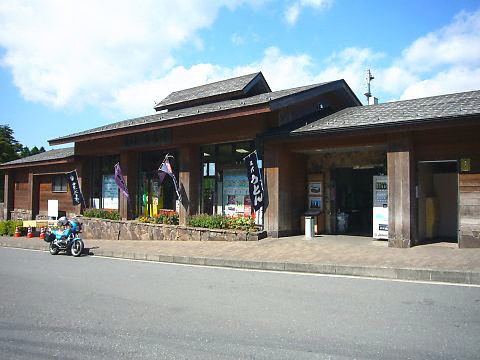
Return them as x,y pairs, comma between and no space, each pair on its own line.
341,255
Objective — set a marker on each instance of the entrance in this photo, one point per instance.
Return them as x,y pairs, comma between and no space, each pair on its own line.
154,196
437,197
353,203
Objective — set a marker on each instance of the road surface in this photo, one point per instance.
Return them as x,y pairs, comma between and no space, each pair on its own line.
98,308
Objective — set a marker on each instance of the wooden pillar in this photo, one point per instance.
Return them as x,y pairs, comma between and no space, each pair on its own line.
189,181
285,183
129,165
34,188
8,195
83,173
31,196
401,198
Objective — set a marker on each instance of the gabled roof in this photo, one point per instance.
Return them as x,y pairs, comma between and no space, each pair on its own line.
230,89
429,109
47,156
264,102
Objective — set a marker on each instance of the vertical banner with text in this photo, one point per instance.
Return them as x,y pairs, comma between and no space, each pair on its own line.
254,180
77,196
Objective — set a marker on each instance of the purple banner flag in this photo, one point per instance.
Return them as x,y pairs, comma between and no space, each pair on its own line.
166,169
119,180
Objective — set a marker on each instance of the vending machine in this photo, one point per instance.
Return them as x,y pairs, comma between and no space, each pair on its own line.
380,207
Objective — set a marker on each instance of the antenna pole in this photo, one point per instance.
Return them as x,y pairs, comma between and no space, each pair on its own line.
369,78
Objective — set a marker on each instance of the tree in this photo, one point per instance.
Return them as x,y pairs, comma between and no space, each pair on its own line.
10,149
29,152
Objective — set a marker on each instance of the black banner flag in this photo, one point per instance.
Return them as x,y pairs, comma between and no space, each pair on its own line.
77,196
255,185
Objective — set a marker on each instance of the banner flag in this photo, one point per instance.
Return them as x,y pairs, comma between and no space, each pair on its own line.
255,185
166,169
77,196
120,182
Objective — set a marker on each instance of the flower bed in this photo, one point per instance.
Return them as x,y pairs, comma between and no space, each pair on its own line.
102,229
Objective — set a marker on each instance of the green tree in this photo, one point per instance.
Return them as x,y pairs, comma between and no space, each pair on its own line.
10,149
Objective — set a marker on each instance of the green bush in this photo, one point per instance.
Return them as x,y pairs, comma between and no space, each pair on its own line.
102,214
244,223
8,227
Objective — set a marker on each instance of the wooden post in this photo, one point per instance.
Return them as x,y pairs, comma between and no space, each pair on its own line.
129,165
401,198
8,195
189,181
286,186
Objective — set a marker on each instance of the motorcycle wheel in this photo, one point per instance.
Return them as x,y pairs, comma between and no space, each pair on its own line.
77,248
53,249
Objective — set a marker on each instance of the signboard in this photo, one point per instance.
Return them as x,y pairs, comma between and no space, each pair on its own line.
52,208
235,189
109,192
380,207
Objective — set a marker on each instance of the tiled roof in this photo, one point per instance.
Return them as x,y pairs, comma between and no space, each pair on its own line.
50,155
435,108
262,99
236,85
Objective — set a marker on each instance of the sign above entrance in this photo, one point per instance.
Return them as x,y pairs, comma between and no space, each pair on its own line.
149,138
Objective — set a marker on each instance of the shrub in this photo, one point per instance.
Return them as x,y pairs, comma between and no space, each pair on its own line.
102,214
168,217
8,227
244,223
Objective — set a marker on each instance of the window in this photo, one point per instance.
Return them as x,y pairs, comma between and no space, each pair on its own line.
59,183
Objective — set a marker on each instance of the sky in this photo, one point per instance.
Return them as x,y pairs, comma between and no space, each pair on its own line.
68,66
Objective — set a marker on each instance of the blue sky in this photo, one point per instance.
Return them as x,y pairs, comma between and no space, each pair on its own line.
66,66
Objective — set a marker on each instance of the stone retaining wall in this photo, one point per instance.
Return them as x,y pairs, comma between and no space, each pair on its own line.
133,230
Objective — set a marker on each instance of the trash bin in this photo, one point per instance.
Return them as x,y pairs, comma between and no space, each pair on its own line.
309,226
342,222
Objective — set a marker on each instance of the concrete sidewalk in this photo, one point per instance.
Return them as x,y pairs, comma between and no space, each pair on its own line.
340,255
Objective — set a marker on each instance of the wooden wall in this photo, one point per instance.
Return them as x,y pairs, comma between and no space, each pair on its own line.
469,210
46,193
21,193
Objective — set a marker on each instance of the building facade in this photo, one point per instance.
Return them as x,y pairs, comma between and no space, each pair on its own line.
406,171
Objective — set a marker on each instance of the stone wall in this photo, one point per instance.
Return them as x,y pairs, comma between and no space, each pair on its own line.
133,230
22,214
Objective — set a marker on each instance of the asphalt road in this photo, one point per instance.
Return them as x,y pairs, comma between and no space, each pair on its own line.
97,308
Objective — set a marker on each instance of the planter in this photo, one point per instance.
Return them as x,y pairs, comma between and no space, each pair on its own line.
102,229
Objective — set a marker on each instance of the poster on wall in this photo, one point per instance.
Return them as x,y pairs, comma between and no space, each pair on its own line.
109,192
316,203
235,189
315,188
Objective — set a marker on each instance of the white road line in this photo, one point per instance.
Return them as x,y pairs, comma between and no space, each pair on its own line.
271,271
295,273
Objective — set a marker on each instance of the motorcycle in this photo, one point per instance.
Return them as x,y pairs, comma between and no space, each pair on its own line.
68,240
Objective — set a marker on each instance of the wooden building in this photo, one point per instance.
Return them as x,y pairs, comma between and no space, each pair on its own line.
320,151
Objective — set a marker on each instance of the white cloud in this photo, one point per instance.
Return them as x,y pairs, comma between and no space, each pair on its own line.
292,11
119,56
276,67
443,61
456,79
65,53
455,44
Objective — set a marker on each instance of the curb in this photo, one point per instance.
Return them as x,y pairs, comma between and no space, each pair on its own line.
446,276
